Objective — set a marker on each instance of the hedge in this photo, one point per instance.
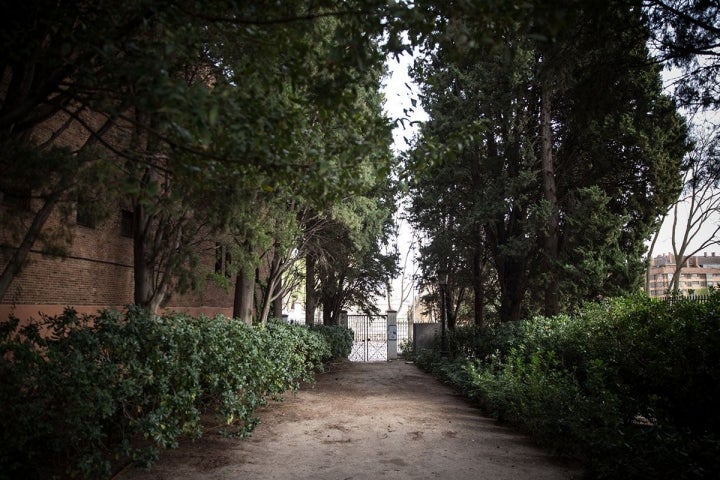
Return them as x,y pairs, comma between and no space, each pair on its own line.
630,385
83,395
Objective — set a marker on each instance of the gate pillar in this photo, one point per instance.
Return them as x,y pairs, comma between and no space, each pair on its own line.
344,318
392,335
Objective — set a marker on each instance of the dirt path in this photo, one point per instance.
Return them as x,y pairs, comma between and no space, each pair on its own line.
364,421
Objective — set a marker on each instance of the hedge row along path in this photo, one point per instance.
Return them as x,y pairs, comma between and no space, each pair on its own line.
365,421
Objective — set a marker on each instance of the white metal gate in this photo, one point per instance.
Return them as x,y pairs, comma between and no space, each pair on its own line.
370,333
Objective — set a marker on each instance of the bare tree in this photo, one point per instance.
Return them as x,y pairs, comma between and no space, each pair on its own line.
408,274
695,216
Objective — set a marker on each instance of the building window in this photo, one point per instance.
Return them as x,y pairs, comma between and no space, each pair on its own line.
18,199
127,221
223,260
85,214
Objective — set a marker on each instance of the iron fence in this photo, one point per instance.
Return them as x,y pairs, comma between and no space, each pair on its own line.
671,299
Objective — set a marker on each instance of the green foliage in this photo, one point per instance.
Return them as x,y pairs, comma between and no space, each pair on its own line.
406,349
684,33
338,337
81,394
478,191
629,384
470,341
209,123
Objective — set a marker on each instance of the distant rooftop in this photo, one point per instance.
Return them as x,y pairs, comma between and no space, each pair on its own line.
699,260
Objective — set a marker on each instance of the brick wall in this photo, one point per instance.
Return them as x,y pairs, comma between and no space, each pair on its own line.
96,269
96,272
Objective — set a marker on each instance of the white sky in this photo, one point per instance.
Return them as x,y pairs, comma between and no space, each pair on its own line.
400,91
664,242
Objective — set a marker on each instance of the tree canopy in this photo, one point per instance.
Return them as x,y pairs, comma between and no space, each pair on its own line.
550,153
194,118
555,151
686,35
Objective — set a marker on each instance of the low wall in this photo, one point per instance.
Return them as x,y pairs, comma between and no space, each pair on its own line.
425,335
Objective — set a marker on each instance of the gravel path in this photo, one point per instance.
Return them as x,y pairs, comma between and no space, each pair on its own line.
365,421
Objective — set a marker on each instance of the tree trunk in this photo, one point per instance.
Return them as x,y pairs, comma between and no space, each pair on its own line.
478,288
14,265
327,316
331,299
243,305
266,304
649,259
272,300
158,297
510,263
551,241
680,260
237,296
143,267
147,234
310,294
478,282
152,238
278,302
450,308
271,288
512,277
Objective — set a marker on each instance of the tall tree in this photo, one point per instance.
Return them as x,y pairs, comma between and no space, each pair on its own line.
44,46
549,150
353,270
353,266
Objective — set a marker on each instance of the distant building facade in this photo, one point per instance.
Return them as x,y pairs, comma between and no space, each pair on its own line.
698,273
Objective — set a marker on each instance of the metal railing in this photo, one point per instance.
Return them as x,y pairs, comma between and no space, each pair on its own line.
671,299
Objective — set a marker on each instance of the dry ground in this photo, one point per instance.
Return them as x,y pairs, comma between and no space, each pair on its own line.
384,420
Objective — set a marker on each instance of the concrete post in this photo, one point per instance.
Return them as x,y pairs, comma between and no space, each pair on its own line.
344,318
392,353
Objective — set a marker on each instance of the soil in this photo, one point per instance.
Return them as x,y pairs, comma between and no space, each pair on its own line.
384,420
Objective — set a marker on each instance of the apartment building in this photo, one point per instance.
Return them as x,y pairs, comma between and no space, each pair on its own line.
697,274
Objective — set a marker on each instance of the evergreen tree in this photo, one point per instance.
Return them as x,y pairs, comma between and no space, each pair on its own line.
557,148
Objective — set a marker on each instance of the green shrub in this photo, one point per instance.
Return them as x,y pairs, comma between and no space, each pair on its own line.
81,393
57,403
340,339
629,384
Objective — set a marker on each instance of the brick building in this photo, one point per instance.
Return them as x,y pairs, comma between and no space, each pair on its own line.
697,274
96,271
94,267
